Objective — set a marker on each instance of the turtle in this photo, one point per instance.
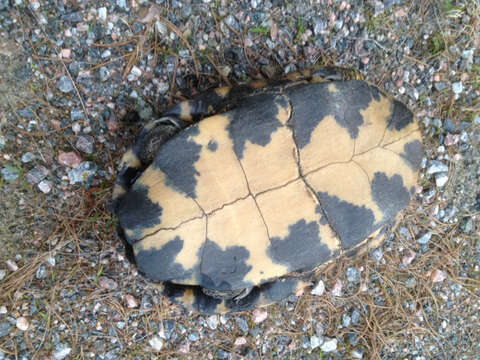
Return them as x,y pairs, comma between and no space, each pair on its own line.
238,197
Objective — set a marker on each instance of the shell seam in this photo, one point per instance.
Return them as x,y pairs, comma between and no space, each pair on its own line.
301,176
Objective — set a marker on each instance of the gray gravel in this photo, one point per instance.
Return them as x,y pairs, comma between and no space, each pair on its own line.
60,143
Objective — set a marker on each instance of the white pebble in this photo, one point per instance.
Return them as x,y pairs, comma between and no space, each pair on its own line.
441,179
315,342
337,288
45,186
22,323
240,341
11,265
212,322
136,71
102,13
319,289
156,343
329,345
457,87
438,276
259,315
61,351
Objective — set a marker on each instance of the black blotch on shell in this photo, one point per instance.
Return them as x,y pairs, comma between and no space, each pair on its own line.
136,211
179,166
254,121
344,105
279,289
389,194
301,249
224,269
159,264
413,154
212,145
352,223
399,117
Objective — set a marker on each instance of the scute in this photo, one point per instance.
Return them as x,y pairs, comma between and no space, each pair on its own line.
279,182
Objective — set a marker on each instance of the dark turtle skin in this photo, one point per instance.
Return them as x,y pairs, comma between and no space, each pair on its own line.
235,198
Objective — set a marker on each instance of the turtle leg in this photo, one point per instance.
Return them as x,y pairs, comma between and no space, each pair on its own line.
140,155
335,73
192,298
212,102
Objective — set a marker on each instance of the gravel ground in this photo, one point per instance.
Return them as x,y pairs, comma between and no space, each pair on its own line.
71,71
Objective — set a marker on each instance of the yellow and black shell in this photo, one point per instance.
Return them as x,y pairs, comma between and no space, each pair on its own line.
286,180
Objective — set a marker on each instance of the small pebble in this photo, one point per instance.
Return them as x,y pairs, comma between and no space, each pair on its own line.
76,114
319,289
11,265
259,315
76,126
61,351
194,336
65,53
37,174
457,87
50,261
315,342
41,272
9,173
337,288
436,167
122,4
64,84
70,159
242,324
353,275
156,343
240,341
377,254
408,258
329,345
450,139
85,143
82,173
131,301
425,238
4,330
3,273
106,54
357,354
355,316
22,323
102,13
45,186
441,179
27,157
212,322
161,28
438,276
411,282
3,310
184,348
467,225
107,283
104,73
136,71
